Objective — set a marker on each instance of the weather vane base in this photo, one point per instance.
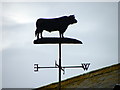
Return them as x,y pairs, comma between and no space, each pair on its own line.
55,40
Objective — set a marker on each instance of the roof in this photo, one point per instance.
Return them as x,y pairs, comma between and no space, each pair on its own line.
102,78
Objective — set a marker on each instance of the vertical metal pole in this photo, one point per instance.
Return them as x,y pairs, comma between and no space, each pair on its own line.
60,65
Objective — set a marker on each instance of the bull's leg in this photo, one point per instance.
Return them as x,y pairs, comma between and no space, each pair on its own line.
62,35
37,35
41,35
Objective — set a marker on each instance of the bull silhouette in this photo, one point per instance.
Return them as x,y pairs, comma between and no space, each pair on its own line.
56,24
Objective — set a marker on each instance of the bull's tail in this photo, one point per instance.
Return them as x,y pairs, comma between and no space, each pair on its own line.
36,33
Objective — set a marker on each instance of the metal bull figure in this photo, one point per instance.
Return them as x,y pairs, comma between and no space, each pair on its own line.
56,24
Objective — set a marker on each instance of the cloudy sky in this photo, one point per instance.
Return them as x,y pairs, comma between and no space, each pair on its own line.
97,28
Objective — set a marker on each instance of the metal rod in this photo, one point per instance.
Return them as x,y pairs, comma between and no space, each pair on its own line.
72,67
60,66
46,67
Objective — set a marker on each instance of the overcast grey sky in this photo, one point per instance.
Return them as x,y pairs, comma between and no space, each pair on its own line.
97,28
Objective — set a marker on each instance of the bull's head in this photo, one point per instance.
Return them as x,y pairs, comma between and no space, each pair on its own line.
72,19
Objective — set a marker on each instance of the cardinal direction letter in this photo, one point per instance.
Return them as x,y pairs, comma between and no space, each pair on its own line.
36,67
85,66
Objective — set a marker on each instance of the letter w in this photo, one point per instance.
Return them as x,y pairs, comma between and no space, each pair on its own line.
85,66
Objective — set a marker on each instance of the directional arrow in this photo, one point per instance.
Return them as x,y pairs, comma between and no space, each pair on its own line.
85,66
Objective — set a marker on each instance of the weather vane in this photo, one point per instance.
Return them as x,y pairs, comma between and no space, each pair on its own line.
56,24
